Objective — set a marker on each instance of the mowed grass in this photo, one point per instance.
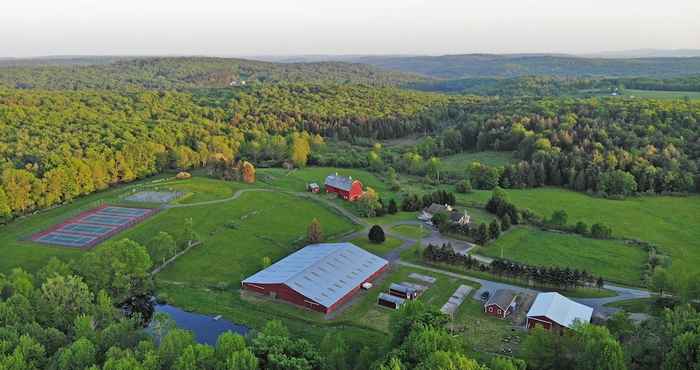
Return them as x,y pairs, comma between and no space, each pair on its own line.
411,231
614,260
460,161
203,189
670,222
379,249
659,94
297,179
237,234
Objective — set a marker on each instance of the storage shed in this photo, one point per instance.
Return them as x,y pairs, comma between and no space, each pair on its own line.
388,300
402,291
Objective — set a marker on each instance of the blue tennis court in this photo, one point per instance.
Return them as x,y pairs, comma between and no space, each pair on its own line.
91,227
121,211
104,219
69,240
86,229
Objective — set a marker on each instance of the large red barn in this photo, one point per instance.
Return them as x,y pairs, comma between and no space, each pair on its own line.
321,277
345,187
553,311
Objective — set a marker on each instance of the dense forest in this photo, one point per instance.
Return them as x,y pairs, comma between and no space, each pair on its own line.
182,73
515,65
55,146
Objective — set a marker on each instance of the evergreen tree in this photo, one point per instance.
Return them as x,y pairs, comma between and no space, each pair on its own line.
376,234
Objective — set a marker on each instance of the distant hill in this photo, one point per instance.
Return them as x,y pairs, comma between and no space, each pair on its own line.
190,72
646,53
516,65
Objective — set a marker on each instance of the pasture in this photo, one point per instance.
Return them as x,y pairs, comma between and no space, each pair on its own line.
614,260
411,231
670,222
460,162
661,94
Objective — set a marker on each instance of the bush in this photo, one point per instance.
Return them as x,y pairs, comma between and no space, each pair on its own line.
581,228
376,234
600,231
464,186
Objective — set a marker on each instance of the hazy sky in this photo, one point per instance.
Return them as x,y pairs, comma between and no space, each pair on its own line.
278,27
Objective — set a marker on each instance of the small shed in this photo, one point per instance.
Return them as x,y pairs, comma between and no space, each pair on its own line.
402,291
501,304
390,301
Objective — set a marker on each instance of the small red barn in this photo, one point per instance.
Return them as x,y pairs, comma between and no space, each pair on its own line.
501,304
345,187
321,277
553,311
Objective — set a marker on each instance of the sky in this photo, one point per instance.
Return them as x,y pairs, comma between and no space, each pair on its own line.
304,27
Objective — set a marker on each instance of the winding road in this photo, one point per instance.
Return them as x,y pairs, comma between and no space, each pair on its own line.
393,256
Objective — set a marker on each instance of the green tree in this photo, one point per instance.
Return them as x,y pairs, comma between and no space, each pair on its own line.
173,344
464,186
81,354
559,218
161,247
314,232
494,229
334,351
369,202
376,234
63,299
597,349
393,207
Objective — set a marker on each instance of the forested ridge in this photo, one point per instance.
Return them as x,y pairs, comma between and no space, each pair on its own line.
164,73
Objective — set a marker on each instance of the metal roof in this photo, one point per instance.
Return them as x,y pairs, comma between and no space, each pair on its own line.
401,288
390,298
339,182
322,272
502,298
560,309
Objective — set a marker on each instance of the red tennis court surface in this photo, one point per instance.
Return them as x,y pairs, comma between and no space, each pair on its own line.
91,227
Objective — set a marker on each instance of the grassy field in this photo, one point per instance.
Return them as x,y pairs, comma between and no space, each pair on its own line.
378,249
411,231
659,94
459,162
670,222
236,235
639,305
615,261
296,180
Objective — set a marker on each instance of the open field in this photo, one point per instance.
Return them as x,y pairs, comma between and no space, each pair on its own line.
671,222
614,260
297,179
460,162
378,249
660,94
411,231
639,305
236,235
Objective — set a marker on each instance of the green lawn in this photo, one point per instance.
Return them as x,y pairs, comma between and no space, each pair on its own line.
614,260
671,222
460,162
411,231
202,189
378,249
236,235
297,179
639,305
659,94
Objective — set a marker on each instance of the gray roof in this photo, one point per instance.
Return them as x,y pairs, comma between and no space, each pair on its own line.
455,216
401,288
436,208
560,309
391,298
322,272
339,182
502,298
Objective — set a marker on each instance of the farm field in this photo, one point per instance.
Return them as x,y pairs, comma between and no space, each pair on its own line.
296,180
661,94
459,162
671,222
611,259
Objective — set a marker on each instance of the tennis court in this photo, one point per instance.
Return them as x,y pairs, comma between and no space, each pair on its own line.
91,227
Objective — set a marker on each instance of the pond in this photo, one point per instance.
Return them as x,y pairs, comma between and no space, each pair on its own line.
205,328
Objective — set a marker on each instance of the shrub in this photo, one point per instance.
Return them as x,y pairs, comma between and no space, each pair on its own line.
464,186
376,234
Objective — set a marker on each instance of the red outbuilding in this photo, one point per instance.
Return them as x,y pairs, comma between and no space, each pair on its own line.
321,277
501,304
345,187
